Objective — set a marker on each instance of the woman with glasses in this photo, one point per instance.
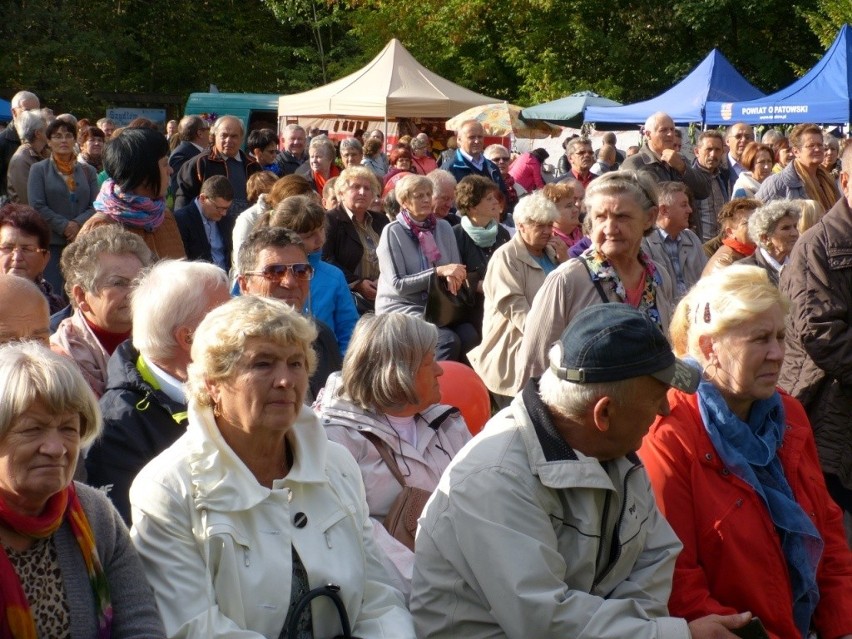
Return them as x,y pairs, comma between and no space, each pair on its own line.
25,249
757,161
99,270
804,178
63,191
499,154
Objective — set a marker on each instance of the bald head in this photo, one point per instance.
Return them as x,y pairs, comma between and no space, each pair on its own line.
24,312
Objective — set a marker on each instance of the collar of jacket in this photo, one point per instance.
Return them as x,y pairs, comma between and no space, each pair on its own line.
222,482
215,156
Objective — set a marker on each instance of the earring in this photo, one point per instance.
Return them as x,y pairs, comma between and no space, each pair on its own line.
217,412
707,374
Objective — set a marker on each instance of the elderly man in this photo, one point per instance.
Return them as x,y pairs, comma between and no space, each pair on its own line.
294,153
739,135
194,135
144,405
818,367
672,245
546,526
272,262
24,311
10,140
661,161
581,157
444,196
709,162
31,127
205,227
107,126
469,159
225,158
351,152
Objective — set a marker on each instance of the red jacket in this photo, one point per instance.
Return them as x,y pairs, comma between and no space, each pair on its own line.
732,559
526,169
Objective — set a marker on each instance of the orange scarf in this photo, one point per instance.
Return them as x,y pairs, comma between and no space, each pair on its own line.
66,168
823,189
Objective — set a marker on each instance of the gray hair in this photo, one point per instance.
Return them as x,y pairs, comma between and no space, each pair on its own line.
28,124
189,126
771,137
571,149
104,121
218,123
636,184
351,143
442,177
290,128
31,373
765,219
170,295
830,140
573,400
491,149
322,142
348,174
382,360
407,185
535,209
651,122
80,264
418,143
221,337
21,97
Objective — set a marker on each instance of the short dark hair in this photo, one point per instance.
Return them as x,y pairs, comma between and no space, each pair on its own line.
261,238
189,127
58,124
132,159
665,190
89,132
372,146
261,138
218,186
27,220
472,190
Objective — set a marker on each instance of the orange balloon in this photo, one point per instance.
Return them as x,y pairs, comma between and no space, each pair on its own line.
461,387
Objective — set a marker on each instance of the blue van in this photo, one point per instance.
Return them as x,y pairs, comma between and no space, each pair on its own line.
256,110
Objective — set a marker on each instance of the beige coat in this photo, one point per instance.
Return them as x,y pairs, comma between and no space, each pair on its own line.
692,257
511,282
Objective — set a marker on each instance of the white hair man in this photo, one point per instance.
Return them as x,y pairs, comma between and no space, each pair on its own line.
660,160
294,154
10,138
144,405
107,126
31,129
548,526
24,311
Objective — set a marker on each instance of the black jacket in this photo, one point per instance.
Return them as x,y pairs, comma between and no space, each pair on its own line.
343,245
288,163
195,237
193,173
9,143
183,152
139,423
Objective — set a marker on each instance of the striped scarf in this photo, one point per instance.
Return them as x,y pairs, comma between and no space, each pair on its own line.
132,210
16,619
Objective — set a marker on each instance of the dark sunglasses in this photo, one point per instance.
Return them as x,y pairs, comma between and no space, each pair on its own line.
276,272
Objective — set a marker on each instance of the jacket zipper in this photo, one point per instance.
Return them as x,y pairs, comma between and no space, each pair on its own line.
615,545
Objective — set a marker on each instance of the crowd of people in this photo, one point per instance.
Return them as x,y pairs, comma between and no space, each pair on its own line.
221,407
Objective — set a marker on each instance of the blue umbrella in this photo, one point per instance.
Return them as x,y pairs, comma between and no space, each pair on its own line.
567,111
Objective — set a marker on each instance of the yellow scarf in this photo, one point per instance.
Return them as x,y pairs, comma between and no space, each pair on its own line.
66,168
823,189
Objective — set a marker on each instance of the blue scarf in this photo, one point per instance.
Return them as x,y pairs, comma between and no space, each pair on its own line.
483,237
750,451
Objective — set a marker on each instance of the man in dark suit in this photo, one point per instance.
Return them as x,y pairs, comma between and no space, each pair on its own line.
205,226
194,134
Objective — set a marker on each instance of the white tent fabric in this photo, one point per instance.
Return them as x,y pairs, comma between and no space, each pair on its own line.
392,85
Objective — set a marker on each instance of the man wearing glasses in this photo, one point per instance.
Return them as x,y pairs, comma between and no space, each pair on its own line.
272,262
581,157
739,135
205,227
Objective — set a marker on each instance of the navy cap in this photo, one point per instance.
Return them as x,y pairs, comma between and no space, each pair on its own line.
612,342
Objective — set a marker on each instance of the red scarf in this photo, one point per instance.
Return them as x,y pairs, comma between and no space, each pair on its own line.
740,247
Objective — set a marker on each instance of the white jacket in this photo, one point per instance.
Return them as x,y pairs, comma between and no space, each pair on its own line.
441,433
216,545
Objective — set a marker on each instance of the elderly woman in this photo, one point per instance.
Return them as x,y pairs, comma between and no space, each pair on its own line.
831,162
735,472
622,209
399,161
373,158
515,274
480,233
90,139
422,161
351,152
411,249
733,244
774,230
253,507
62,190
31,127
319,166
393,419
499,154
137,161
25,249
443,196
805,176
67,567
99,269
352,234
757,160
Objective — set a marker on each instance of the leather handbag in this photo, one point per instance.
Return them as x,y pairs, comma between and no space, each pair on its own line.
329,591
445,309
401,520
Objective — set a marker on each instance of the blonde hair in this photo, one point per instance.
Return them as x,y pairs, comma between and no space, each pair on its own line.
812,212
719,302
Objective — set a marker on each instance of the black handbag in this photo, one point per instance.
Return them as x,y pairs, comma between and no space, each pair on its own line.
329,591
445,309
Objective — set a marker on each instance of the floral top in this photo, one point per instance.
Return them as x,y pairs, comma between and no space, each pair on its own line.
602,271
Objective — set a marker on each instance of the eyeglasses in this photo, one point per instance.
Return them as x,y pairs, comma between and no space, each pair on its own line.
500,158
276,272
814,147
27,250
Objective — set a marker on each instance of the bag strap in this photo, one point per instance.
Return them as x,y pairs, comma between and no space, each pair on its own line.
329,591
597,283
387,457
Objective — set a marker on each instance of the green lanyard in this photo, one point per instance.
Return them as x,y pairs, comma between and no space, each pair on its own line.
148,377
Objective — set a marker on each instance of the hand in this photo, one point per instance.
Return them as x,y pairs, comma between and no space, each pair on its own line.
71,230
367,288
716,626
559,247
455,274
673,159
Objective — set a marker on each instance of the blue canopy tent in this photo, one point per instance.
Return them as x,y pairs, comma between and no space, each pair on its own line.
5,111
567,111
714,79
822,95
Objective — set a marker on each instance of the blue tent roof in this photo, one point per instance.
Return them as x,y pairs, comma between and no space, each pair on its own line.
821,95
5,110
714,79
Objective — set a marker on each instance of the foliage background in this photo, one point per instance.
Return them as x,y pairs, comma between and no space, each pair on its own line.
81,56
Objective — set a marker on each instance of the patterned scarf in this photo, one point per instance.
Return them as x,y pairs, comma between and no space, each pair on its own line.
16,619
422,232
66,169
131,210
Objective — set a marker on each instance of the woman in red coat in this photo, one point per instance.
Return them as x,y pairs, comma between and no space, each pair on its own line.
735,471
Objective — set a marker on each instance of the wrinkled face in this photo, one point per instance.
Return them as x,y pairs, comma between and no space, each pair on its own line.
618,225
108,130
762,166
294,142
38,457
535,235
426,382
319,160
738,138
582,158
108,306
630,420
443,199
419,203
266,390
94,147
812,150
351,156
780,242
830,157
214,208
748,358
674,217
710,153
502,159
662,136
25,318
471,139
20,253
358,195
229,137
569,215
737,226
288,288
